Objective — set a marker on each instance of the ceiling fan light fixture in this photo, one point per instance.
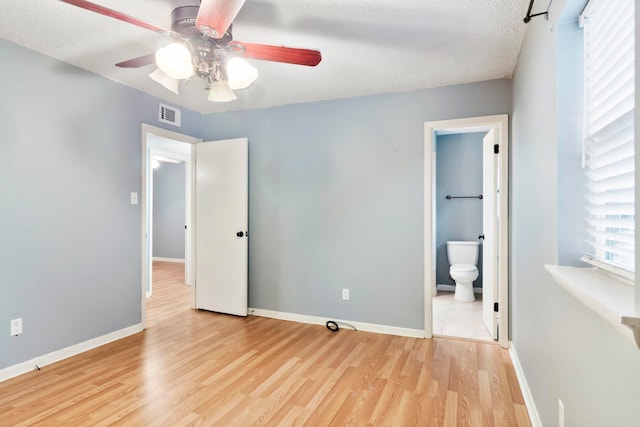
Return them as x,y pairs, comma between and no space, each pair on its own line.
206,42
219,91
165,80
240,73
175,60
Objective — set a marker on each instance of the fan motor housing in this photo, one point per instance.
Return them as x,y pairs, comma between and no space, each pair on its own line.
183,21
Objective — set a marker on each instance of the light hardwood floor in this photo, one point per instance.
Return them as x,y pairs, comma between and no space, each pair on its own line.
200,368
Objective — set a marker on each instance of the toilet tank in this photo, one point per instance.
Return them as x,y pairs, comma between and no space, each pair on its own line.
463,252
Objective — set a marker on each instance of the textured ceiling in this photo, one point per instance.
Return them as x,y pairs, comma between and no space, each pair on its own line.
368,46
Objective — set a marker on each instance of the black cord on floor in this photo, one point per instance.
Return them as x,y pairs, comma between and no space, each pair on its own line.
332,325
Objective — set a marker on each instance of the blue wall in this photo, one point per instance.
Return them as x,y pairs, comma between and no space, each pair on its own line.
169,210
458,173
336,199
70,239
566,351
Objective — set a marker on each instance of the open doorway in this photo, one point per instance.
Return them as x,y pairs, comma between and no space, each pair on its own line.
221,216
168,292
473,216
167,211
167,247
460,200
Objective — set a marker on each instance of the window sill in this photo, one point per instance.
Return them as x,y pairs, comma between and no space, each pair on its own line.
611,299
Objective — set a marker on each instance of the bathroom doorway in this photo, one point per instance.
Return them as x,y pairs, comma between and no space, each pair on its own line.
468,160
460,200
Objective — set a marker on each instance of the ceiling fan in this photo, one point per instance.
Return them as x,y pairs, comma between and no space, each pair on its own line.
205,47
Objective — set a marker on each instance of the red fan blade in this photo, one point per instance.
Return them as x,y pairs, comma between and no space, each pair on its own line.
120,16
290,55
138,62
215,16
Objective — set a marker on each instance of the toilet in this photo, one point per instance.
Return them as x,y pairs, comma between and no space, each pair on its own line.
463,259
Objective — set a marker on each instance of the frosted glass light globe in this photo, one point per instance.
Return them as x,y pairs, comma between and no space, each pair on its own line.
240,74
220,92
175,60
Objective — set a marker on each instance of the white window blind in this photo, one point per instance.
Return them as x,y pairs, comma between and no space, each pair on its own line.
609,133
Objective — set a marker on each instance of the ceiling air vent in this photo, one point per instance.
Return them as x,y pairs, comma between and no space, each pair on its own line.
169,115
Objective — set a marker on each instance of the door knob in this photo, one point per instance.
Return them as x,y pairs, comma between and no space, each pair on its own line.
481,236
240,234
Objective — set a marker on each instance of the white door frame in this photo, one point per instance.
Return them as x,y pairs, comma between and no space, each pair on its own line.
145,198
430,128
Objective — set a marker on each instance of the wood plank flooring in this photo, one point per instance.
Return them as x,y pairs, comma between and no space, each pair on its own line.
199,368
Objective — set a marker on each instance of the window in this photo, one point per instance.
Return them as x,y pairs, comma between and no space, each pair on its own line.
609,133
596,85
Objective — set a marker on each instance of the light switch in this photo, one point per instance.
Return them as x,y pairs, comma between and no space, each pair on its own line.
134,198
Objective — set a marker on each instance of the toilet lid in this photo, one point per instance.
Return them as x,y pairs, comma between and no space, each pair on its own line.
464,268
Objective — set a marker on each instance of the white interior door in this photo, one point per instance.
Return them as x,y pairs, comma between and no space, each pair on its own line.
221,207
490,231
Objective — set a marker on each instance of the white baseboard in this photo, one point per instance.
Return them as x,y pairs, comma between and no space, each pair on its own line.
158,258
314,320
526,392
56,356
452,288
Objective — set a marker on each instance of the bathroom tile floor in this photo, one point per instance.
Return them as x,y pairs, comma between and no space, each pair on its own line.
457,318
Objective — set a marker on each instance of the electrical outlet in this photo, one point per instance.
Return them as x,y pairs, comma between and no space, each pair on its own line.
560,413
345,294
16,326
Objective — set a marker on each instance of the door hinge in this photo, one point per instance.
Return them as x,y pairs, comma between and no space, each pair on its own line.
495,307
496,148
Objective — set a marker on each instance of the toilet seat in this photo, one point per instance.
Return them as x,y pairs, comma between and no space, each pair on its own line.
464,272
464,268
